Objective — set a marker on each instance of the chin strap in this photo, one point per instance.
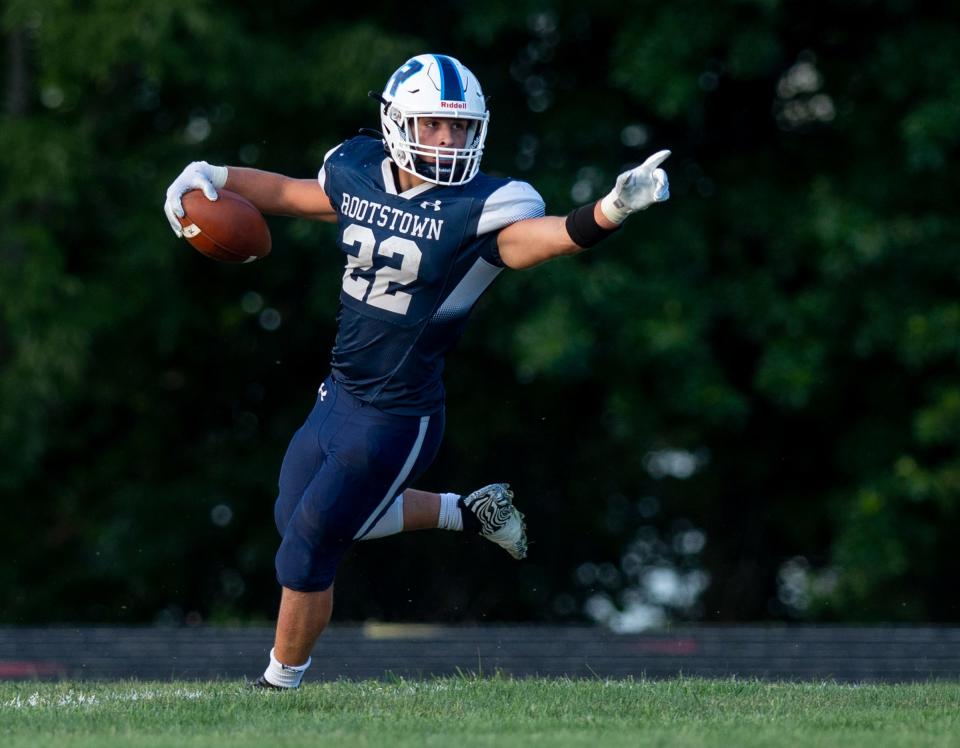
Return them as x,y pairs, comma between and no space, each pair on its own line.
453,172
379,97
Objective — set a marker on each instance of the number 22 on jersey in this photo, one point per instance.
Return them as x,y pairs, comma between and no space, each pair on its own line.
377,292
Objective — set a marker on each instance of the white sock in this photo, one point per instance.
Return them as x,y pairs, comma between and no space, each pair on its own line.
450,517
390,523
285,676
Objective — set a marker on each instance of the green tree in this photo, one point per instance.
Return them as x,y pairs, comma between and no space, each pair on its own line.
744,405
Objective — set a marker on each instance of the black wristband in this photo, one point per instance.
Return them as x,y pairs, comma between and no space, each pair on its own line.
583,227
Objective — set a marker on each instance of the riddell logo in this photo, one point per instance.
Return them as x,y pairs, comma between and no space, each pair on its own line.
453,104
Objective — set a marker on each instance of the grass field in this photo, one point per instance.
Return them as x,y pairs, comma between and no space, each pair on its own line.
470,711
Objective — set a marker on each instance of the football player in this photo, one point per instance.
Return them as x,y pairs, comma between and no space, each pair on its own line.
424,233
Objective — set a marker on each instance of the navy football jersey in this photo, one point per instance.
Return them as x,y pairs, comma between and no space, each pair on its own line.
416,263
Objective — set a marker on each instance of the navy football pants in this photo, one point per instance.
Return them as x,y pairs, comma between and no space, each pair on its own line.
342,470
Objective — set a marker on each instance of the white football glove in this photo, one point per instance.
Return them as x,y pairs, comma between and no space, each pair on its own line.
197,176
637,189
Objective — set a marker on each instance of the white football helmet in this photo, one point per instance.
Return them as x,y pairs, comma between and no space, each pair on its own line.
434,86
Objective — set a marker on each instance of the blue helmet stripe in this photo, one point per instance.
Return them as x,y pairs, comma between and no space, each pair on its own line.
402,74
451,86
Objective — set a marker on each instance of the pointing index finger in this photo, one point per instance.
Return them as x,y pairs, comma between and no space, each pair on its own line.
656,159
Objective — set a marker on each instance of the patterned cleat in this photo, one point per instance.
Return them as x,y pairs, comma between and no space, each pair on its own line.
500,522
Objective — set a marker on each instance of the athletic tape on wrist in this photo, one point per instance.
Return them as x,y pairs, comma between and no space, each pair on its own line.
613,209
583,227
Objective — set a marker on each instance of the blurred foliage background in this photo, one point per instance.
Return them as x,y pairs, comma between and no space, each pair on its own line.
745,406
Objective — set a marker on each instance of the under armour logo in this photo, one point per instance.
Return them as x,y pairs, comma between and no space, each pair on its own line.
426,204
323,391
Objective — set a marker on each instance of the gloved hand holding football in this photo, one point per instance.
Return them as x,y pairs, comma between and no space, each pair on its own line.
197,176
224,225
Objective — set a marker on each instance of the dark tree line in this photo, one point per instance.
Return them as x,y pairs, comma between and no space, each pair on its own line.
743,406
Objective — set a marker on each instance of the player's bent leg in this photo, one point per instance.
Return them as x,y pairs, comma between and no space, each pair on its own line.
393,515
500,521
488,511
418,510
370,457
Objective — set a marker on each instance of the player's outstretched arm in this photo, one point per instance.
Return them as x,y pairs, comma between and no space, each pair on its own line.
274,194
528,243
535,240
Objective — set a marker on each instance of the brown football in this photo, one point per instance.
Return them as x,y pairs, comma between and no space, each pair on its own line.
228,229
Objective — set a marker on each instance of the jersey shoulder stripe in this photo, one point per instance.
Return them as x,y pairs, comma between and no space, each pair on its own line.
322,176
514,201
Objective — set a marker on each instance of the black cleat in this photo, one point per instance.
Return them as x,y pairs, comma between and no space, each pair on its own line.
262,682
